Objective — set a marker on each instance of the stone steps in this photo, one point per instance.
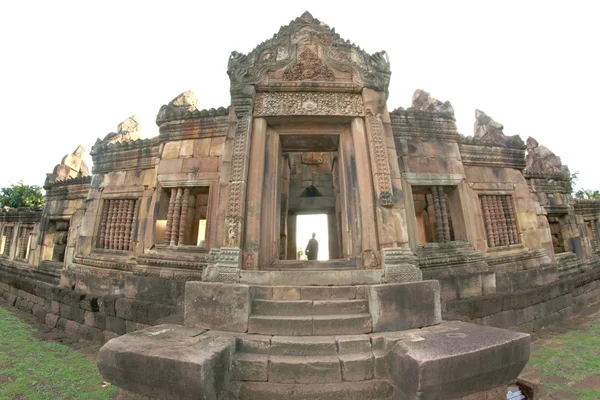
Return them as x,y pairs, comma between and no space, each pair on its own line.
308,307
305,360
309,292
306,325
369,390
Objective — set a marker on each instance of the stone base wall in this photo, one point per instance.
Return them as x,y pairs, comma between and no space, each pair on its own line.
91,317
532,309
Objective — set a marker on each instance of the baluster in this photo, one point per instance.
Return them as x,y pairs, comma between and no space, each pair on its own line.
168,229
184,214
176,217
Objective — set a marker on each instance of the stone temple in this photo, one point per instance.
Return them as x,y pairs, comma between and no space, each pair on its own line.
180,251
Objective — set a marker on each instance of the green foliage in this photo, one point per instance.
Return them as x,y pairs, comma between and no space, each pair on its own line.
21,195
587,194
33,369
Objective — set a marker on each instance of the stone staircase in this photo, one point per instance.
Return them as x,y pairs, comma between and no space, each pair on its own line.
291,367
307,311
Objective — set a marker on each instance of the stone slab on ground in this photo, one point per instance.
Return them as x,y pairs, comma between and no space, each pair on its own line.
456,360
168,361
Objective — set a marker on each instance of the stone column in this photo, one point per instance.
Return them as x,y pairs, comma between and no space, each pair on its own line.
256,176
364,185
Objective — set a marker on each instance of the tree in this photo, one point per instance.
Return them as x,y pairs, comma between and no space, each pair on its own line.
21,195
588,194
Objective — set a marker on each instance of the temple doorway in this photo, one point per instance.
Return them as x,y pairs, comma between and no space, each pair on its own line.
306,225
309,203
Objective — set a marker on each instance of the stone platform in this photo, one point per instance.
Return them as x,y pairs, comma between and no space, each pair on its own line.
362,342
450,360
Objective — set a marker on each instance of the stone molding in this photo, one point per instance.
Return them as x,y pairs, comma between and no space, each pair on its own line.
308,103
491,155
138,154
400,265
431,179
224,265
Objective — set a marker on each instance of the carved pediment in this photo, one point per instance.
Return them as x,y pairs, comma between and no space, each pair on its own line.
308,68
308,50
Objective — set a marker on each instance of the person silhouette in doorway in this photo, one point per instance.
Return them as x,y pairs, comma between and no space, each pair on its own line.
312,248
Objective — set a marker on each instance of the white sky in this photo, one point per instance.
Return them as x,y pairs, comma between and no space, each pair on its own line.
70,71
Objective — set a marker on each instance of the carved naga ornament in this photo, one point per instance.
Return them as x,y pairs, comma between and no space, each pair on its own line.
308,50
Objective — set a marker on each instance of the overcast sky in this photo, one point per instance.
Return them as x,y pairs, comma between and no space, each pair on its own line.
70,72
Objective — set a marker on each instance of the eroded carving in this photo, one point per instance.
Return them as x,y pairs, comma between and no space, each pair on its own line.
308,103
309,68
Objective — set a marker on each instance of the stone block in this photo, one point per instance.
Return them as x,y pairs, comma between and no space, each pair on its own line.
139,311
457,361
171,150
116,325
216,146
106,305
217,306
156,312
249,367
51,320
357,367
123,308
72,313
90,333
351,344
95,319
72,327
309,370
302,346
39,312
168,361
186,149
202,147
401,306
286,293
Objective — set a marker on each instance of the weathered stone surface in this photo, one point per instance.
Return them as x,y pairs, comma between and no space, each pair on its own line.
457,360
367,390
249,367
168,361
401,306
308,369
217,306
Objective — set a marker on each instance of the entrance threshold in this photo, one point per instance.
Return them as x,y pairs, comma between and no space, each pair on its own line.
313,265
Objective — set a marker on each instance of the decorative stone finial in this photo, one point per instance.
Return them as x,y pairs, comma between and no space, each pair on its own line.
541,160
423,101
127,131
71,166
491,131
484,124
179,106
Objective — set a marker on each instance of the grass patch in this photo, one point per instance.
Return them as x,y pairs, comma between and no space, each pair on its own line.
33,369
573,356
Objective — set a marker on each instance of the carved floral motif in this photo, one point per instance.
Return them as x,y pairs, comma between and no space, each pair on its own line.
308,103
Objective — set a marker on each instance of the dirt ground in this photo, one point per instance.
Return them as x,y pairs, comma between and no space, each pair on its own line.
546,387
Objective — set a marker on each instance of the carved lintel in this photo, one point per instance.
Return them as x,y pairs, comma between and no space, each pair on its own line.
308,103
400,265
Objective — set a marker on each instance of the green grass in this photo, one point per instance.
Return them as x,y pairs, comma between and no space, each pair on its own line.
574,356
33,369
